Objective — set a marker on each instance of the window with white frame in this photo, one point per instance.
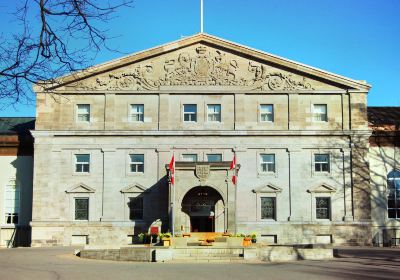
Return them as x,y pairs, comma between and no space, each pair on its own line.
135,208
266,113
189,112
83,112
214,157
189,157
393,187
321,162
268,208
137,113
323,208
214,112
267,162
320,113
12,202
82,209
82,163
137,163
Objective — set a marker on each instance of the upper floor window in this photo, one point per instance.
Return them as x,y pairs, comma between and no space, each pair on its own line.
82,163
266,113
82,209
267,162
320,113
137,112
190,112
322,162
214,157
137,163
135,208
214,113
12,202
323,207
393,183
268,208
189,157
83,112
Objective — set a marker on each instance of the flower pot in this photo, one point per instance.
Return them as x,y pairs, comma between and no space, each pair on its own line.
254,240
166,242
246,241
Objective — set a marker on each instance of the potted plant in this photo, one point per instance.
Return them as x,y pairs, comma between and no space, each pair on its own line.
166,238
247,240
253,236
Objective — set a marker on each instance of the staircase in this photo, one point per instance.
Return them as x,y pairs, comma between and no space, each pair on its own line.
208,254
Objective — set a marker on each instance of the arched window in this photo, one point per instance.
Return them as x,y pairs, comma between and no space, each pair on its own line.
393,182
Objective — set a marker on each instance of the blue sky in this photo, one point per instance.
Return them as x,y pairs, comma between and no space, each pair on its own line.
359,39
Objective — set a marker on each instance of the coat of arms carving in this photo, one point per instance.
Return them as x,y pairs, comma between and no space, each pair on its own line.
202,172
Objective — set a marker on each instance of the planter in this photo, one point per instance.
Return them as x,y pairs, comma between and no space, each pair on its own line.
254,240
166,242
246,241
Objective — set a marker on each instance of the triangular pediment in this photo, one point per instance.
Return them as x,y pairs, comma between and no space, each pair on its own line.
80,188
322,188
267,188
134,188
203,61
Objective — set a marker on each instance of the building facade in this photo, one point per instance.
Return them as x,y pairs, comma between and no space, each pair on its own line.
104,138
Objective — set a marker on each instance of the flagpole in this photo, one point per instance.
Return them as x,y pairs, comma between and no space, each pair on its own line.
201,16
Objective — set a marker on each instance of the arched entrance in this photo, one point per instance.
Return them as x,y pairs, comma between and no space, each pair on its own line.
205,208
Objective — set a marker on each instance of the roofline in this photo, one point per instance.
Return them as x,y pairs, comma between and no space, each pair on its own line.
160,49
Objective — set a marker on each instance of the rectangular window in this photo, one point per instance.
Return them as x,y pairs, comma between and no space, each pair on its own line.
320,113
82,163
137,163
394,197
214,157
268,208
267,162
12,203
190,112
189,157
83,112
214,113
136,208
137,113
82,209
321,162
266,113
323,207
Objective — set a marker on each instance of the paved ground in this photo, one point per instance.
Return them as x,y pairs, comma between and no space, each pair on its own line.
59,263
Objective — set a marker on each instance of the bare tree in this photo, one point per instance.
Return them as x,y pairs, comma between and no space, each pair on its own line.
54,37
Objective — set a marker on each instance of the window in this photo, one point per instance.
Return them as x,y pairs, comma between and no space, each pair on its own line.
266,113
323,207
137,113
137,163
135,208
214,157
393,182
267,162
268,209
190,112
321,162
12,202
189,157
82,209
214,113
82,163
320,113
83,113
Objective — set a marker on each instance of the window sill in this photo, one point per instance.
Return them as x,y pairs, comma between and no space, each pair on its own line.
267,174
81,173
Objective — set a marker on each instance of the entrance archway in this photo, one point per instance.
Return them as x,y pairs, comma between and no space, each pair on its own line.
205,208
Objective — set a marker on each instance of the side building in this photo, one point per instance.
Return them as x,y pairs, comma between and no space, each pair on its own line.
16,179
104,138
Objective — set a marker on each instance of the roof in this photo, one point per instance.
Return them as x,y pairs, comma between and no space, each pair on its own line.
378,116
13,126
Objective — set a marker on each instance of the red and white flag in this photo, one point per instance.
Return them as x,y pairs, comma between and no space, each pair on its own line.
172,169
233,167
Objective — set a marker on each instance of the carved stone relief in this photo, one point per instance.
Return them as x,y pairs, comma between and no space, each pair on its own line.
197,66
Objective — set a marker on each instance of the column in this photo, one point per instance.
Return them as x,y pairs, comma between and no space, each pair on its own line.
348,205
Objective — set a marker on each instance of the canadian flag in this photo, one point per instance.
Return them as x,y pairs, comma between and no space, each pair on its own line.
233,167
172,169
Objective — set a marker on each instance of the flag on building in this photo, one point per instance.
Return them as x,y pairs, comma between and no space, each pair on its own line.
233,167
172,170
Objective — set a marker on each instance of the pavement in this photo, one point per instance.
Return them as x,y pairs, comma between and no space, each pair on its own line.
60,263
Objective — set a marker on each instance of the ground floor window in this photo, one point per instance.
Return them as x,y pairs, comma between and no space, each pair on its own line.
393,183
268,208
12,202
82,209
135,208
323,207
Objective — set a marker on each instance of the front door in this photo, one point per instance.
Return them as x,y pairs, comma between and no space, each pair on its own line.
202,224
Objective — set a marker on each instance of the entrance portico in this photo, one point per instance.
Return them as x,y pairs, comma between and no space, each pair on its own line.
204,198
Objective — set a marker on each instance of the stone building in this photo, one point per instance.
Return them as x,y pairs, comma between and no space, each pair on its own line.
104,138
16,178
